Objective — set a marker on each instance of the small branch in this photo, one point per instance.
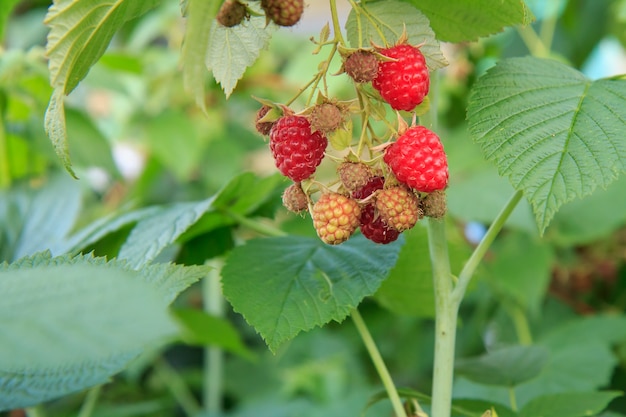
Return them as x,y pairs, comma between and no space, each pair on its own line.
255,225
177,386
90,402
336,25
5,167
533,42
36,411
379,364
472,263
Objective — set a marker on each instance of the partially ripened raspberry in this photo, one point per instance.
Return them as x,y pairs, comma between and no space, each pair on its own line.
326,117
374,184
373,227
404,81
294,198
370,222
231,13
335,217
434,204
354,175
398,207
361,66
283,12
263,127
297,151
418,160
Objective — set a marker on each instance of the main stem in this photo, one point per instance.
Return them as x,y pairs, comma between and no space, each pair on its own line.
446,311
212,384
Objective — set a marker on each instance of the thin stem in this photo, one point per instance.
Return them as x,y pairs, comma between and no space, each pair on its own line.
255,225
548,25
90,402
472,263
177,387
336,25
520,322
512,399
533,42
5,170
213,356
446,310
379,364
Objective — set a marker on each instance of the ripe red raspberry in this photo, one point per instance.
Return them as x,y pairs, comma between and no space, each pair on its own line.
398,207
283,12
418,160
354,175
371,224
335,217
297,151
404,82
231,13
294,198
361,66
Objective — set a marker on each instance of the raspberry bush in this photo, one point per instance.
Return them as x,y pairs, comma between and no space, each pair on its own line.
364,172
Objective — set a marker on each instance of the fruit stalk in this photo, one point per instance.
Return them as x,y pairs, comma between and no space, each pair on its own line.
379,364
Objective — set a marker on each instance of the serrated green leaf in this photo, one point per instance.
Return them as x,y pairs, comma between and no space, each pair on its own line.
200,17
555,134
37,218
202,329
80,32
468,20
508,366
168,280
232,50
571,404
69,325
283,286
391,17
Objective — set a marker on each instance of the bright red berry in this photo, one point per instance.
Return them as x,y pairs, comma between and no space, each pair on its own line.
418,160
297,151
335,217
374,184
398,207
283,12
403,82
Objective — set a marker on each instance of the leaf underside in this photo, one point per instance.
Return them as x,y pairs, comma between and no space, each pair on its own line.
554,133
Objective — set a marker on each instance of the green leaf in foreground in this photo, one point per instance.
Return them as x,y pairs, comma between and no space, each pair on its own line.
554,133
286,285
68,324
508,366
232,50
464,20
80,32
391,16
571,404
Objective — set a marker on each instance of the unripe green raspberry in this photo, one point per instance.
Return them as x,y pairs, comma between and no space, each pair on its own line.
398,207
335,218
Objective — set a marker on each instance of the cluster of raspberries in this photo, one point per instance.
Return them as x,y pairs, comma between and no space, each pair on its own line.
382,198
